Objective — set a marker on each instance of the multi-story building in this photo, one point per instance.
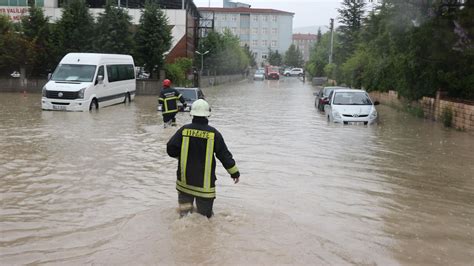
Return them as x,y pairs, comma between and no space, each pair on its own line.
304,42
261,29
182,15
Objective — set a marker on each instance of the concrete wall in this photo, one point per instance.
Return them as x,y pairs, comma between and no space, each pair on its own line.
434,108
462,113
20,85
144,87
209,81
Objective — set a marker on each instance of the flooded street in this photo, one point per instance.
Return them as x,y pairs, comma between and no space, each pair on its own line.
99,188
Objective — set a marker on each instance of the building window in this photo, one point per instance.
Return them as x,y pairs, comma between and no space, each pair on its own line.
224,17
234,17
255,18
264,43
264,31
274,43
265,18
254,42
274,18
234,30
264,56
254,30
274,31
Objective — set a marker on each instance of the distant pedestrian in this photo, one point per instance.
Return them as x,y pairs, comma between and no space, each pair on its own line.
195,145
169,103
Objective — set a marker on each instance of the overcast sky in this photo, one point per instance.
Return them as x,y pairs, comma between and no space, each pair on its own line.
307,12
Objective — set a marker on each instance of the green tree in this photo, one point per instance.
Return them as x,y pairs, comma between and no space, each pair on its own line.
177,71
293,57
74,30
319,56
319,36
153,38
12,47
274,58
225,56
250,55
350,17
36,31
113,31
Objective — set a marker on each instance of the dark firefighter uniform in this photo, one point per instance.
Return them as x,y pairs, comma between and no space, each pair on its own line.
169,103
195,145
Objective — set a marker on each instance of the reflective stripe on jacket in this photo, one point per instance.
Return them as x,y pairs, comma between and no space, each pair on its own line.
195,146
169,100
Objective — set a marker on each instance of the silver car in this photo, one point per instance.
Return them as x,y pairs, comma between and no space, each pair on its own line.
259,75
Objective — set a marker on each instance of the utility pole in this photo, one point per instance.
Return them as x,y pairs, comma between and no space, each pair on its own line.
331,26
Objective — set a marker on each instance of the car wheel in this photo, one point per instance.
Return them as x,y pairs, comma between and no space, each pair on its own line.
366,123
346,123
94,105
329,119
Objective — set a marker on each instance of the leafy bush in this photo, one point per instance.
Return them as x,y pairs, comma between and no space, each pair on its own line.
447,117
177,72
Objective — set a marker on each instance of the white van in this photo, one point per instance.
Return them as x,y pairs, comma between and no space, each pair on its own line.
86,81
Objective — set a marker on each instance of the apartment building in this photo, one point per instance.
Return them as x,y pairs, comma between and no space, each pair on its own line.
182,15
259,28
304,42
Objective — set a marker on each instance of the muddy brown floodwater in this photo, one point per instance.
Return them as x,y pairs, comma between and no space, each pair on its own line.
98,188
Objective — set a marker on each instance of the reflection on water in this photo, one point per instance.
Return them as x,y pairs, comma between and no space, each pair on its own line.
93,188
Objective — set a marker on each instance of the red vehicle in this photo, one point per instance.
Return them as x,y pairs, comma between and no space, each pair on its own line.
272,72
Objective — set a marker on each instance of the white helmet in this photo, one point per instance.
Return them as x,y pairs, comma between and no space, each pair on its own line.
200,108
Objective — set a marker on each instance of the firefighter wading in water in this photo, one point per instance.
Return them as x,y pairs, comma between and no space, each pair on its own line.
194,145
169,103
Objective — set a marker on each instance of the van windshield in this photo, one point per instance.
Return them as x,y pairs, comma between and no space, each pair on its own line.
78,73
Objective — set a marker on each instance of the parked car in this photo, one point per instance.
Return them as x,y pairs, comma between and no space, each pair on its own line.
89,81
259,74
15,74
350,106
272,72
294,72
143,75
322,96
190,95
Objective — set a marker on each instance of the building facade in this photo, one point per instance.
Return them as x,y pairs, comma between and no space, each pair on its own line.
182,15
260,29
304,42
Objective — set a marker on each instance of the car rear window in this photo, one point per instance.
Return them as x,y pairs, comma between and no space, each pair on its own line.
188,94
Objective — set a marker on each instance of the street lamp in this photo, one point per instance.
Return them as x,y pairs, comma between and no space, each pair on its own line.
202,58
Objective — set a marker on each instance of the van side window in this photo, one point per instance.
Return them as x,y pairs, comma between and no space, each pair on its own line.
120,72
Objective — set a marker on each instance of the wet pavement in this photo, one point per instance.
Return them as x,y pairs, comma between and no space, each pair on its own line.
98,188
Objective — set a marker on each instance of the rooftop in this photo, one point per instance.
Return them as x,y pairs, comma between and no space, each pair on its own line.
244,10
307,36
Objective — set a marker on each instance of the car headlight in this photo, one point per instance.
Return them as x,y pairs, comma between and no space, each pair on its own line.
373,114
43,92
336,114
81,93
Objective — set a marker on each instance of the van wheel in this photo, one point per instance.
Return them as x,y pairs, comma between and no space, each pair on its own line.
94,105
127,100
329,120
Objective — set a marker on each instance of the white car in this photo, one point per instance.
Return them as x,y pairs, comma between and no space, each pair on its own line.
259,74
15,74
350,106
294,72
